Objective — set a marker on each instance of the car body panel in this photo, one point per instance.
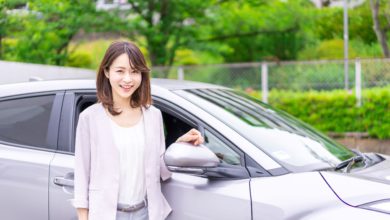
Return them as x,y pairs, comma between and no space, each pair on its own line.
337,212
309,199
23,183
378,172
291,195
355,190
199,198
60,196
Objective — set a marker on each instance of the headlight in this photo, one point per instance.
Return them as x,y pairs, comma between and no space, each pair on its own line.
379,206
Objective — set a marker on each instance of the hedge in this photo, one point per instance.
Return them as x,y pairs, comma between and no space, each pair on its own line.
336,111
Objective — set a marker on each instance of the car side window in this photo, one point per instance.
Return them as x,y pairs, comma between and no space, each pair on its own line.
173,128
221,150
25,121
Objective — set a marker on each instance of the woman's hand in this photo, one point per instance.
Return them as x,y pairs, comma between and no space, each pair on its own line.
82,214
193,136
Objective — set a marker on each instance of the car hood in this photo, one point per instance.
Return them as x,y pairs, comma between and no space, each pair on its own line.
379,172
364,186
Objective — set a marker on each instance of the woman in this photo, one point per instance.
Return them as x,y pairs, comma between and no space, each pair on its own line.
120,144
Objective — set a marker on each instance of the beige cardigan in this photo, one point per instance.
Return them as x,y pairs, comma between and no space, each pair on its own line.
97,164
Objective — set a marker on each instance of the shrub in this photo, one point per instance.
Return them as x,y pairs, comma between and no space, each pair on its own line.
79,59
336,111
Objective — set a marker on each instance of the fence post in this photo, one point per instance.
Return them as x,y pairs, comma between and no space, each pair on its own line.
180,73
358,82
264,82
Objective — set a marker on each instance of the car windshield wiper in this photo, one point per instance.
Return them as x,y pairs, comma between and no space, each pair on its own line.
360,157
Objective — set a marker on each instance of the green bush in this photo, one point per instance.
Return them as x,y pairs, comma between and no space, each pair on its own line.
79,59
336,111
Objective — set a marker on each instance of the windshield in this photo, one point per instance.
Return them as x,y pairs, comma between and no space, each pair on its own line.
294,144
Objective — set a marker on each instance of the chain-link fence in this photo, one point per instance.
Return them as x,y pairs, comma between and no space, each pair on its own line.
296,76
375,73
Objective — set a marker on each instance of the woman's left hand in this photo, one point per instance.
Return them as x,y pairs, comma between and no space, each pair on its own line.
193,136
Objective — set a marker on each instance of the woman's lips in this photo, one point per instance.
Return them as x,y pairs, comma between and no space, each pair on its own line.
126,88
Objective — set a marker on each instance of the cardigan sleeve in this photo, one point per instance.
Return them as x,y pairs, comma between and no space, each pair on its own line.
164,172
82,163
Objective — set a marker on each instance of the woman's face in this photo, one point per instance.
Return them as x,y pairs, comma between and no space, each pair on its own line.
123,78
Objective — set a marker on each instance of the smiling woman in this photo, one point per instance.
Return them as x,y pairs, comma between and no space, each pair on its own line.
120,144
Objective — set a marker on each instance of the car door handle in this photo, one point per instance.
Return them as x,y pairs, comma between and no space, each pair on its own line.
61,181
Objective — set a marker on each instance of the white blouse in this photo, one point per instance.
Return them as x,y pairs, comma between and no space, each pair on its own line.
131,143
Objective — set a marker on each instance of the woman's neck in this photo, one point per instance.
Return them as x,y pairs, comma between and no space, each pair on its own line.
122,103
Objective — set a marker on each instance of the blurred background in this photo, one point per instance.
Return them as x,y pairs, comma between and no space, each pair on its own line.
326,62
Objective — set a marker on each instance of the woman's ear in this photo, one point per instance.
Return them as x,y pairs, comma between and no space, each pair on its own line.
106,74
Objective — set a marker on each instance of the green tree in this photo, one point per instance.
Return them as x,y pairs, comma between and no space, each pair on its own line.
51,25
3,24
271,30
167,25
243,30
381,25
7,23
329,24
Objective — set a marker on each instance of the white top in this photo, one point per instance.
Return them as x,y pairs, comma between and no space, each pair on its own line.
130,142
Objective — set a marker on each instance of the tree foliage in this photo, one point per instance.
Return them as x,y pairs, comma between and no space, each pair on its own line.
3,24
167,25
179,31
8,24
50,25
380,9
329,24
271,30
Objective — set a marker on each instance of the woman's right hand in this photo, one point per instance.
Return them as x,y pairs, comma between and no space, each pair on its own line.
193,136
82,214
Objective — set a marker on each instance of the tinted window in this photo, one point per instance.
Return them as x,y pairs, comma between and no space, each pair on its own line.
25,121
173,128
221,150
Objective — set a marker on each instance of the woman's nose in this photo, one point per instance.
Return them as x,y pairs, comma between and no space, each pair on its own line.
127,77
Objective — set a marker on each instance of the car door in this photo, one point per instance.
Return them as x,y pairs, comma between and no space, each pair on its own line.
194,197
28,139
62,165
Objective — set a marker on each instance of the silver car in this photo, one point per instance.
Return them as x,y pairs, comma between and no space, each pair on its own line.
256,163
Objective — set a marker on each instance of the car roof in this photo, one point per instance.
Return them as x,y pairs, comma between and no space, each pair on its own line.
90,84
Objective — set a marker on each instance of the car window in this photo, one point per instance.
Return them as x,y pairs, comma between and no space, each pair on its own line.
83,101
25,121
223,152
173,128
293,144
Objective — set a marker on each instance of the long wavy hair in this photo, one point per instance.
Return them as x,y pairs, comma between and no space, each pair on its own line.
141,96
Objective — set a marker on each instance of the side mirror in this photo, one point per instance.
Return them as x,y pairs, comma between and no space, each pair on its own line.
188,155
200,161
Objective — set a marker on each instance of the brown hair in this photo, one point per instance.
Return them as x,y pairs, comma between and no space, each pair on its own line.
141,96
